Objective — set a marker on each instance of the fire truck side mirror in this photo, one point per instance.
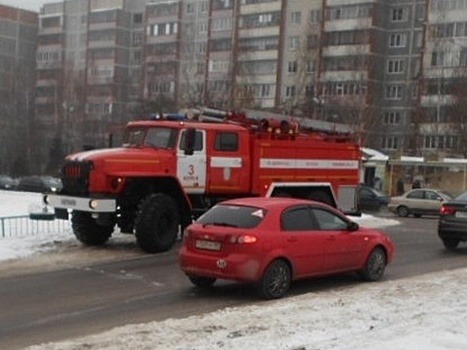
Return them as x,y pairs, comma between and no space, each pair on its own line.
190,141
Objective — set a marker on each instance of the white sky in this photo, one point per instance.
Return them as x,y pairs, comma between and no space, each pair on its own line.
427,312
31,5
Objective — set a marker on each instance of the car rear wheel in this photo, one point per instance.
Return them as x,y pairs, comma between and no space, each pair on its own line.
450,243
276,280
375,266
402,211
202,282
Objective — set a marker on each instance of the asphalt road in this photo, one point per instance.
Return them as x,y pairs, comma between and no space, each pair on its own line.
51,306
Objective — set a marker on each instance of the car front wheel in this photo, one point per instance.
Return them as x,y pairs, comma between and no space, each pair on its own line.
402,211
276,280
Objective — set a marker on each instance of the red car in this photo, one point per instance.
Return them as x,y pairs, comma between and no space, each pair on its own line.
272,241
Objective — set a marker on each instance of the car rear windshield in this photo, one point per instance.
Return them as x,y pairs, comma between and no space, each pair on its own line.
462,197
233,216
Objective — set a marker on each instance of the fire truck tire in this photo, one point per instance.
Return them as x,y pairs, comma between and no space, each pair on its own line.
87,231
157,223
320,196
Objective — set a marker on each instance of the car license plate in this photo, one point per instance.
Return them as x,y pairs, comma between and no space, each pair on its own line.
461,214
208,245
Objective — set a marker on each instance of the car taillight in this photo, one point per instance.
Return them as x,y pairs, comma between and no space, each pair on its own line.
447,210
243,239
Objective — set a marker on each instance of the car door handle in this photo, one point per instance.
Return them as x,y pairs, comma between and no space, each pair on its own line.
331,238
291,239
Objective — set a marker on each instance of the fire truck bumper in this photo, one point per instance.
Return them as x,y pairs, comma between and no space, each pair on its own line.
94,205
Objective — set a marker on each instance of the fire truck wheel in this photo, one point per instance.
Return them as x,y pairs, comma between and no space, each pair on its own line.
157,222
87,231
320,196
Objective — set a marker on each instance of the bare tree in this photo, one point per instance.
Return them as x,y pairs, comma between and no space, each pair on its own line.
16,111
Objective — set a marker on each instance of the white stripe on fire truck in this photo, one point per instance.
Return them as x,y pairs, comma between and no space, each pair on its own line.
226,162
273,163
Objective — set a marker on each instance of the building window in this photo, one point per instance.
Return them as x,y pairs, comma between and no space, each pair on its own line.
392,117
138,18
202,27
389,142
394,92
311,66
296,17
398,14
396,66
315,16
290,91
204,6
294,43
293,67
137,38
190,7
162,29
397,40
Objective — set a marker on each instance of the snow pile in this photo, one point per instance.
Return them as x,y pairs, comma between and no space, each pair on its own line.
414,313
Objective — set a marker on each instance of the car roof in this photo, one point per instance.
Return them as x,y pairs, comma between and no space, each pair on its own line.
269,202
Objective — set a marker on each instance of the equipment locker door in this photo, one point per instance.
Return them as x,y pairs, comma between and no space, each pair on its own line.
229,163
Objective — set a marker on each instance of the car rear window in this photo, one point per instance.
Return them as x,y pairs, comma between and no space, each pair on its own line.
233,216
462,197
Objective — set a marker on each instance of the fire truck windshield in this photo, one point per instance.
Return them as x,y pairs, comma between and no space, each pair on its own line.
150,137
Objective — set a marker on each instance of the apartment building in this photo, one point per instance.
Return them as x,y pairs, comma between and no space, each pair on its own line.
442,123
89,69
18,32
382,67
398,129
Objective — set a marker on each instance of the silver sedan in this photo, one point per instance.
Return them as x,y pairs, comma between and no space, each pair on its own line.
418,202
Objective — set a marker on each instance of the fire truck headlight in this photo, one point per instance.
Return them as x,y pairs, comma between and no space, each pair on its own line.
93,204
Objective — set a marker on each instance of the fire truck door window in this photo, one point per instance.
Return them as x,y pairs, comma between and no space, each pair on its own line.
198,141
226,141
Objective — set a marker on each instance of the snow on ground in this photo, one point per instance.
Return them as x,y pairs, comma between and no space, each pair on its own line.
19,246
426,312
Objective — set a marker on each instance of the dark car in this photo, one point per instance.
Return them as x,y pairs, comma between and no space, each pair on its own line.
370,199
452,223
8,183
271,242
42,184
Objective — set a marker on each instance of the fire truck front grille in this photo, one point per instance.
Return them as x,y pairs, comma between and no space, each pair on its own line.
75,178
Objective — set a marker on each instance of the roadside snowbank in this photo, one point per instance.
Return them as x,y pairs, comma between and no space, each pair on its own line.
415,313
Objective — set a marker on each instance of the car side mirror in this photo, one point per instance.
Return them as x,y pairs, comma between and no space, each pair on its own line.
352,226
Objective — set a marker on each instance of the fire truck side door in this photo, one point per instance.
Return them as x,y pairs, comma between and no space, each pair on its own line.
191,168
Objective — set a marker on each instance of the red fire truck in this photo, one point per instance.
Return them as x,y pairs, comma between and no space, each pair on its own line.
170,169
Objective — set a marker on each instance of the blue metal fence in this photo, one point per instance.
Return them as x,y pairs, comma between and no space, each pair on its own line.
27,225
